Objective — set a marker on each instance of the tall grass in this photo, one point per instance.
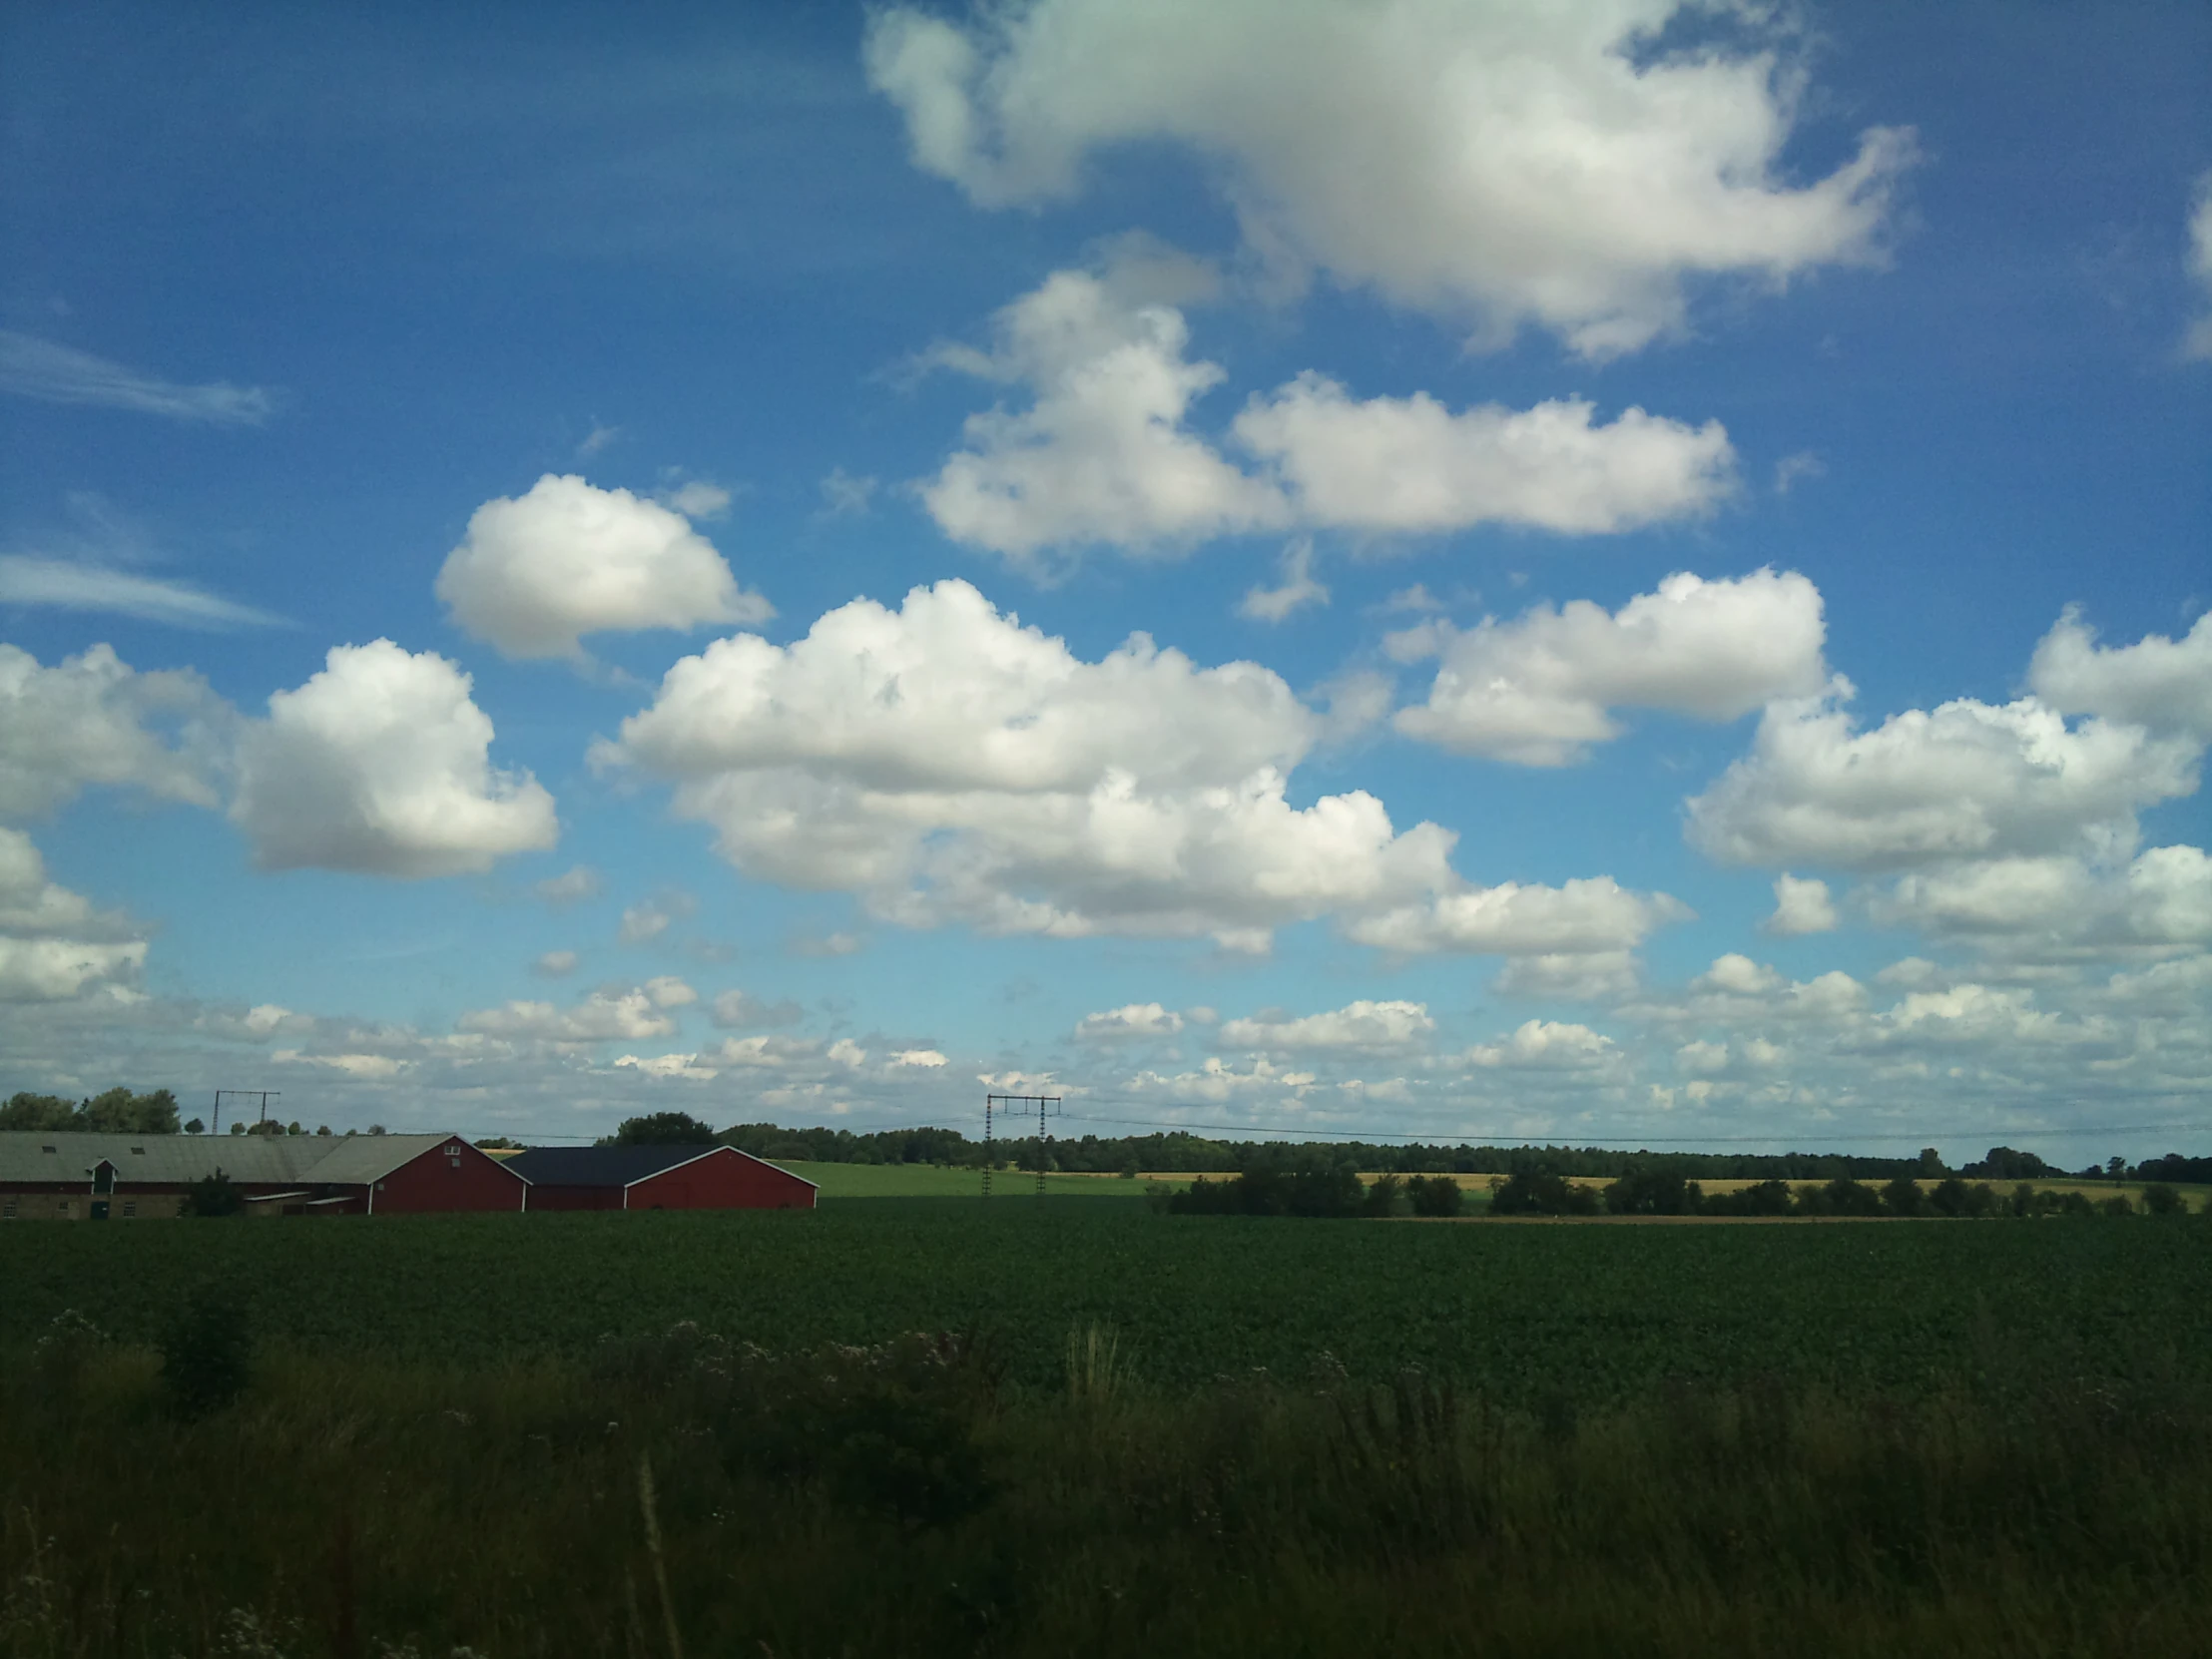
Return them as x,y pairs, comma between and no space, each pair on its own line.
683,1490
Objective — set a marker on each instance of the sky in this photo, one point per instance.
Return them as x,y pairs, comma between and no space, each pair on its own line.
1611,571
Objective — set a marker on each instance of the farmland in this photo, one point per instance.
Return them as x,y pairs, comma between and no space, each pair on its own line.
1520,1310
1218,1434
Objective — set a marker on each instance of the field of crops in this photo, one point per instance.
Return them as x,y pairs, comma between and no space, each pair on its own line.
1592,1310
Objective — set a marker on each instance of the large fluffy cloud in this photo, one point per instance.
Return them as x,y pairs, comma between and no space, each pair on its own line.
537,572
2157,682
1411,464
382,764
54,945
1495,165
947,763
1101,455
1964,780
1537,690
1104,454
91,718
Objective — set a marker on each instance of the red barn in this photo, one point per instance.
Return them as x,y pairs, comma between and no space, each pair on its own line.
657,1178
71,1175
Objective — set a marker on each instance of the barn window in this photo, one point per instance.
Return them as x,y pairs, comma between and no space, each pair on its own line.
140,1150
7,1210
129,1209
46,1149
66,1210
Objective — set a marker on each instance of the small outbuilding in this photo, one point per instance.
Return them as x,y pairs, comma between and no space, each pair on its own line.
657,1178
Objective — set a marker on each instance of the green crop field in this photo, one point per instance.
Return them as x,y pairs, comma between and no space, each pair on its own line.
1598,1311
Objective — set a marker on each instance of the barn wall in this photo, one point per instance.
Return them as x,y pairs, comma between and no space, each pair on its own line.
433,1184
725,1180
575,1198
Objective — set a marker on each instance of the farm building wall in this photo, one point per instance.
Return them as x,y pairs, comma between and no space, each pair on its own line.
724,1179
575,1198
449,1176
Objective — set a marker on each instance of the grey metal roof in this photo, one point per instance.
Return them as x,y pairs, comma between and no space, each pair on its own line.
174,1159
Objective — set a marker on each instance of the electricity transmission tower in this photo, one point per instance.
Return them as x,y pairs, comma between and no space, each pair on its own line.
265,1096
995,1103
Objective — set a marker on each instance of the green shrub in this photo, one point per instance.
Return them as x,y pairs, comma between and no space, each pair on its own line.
1436,1195
207,1354
1540,1193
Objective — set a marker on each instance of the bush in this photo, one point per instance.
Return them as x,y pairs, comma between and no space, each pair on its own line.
1386,1197
1903,1197
207,1354
1766,1198
1651,1192
213,1194
1842,1197
1436,1195
2160,1199
1540,1193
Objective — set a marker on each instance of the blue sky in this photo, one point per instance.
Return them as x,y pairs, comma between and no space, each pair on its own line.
1505,421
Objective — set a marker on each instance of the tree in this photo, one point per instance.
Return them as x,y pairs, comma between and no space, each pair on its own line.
1903,1197
659,1129
213,1194
1931,1162
2160,1199
37,1111
196,1127
1540,1193
120,1112
1644,1191
1436,1195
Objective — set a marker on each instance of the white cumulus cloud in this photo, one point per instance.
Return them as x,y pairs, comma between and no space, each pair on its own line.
382,764
2157,682
1800,905
627,1015
537,572
1964,780
54,947
1297,589
1104,454
93,720
1545,1045
949,764
1410,465
1492,165
1136,1019
1361,1025
1540,690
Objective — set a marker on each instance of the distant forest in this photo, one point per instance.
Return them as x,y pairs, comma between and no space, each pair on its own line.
1191,1154
120,1111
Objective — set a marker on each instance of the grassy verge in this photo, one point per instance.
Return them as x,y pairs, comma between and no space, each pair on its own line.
680,1495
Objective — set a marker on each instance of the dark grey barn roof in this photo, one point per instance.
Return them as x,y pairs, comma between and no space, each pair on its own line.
609,1166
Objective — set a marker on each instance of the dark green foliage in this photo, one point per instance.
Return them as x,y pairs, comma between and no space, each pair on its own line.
1540,1193
1303,1184
661,1129
2004,1164
1647,1191
213,1195
2159,1198
1601,1310
1840,1197
1903,1197
116,1112
206,1353
1387,1196
1436,1195
38,1111
753,1501
1765,1198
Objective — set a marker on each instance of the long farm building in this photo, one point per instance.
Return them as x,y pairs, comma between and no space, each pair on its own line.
74,1176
